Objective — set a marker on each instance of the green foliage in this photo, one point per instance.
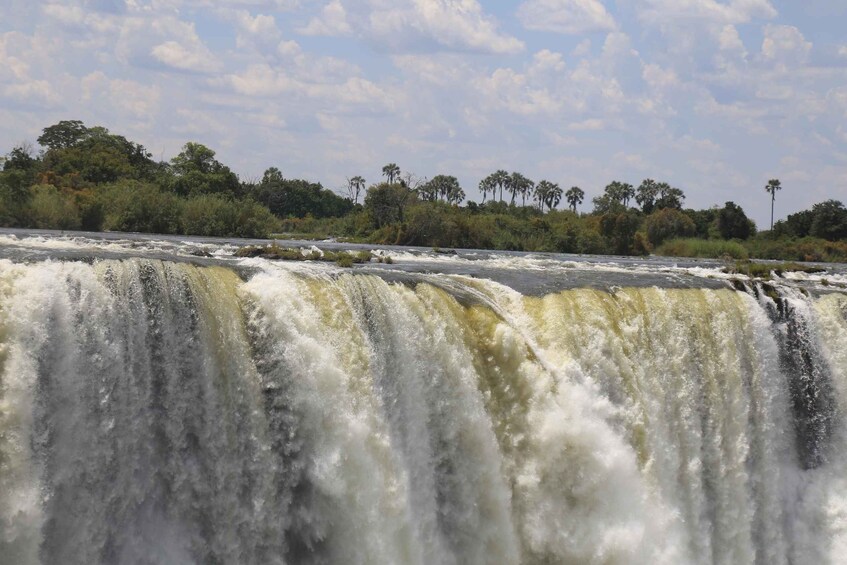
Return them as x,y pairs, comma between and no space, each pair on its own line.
668,223
829,221
442,187
706,249
802,249
733,223
619,229
340,258
765,270
92,179
574,196
196,172
705,222
136,206
49,209
215,216
547,194
64,134
297,198
386,203
391,172
825,220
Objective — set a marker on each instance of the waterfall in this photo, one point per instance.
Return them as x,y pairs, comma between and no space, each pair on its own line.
157,412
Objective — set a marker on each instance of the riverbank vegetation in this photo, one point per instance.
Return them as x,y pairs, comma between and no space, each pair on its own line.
87,178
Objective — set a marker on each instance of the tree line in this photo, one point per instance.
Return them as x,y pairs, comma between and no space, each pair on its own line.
90,178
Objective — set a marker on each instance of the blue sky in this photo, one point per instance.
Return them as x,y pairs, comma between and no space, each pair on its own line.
713,96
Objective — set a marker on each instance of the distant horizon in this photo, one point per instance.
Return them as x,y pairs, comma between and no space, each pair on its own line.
715,98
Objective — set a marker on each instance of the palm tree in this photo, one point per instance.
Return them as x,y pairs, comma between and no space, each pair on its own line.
547,193
574,196
392,172
773,186
501,179
486,185
354,188
519,184
647,194
542,190
554,196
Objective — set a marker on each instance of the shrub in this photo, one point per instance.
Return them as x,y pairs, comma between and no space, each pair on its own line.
703,248
49,209
668,223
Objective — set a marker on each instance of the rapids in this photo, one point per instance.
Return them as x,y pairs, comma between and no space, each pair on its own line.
167,412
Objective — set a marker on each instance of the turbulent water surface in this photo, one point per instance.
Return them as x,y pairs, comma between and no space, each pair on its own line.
160,408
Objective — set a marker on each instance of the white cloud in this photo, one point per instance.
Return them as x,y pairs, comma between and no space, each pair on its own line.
33,92
705,11
260,31
547,61
785,45
566,16
194,58
452,24
332,21
262,80
658,78
730,40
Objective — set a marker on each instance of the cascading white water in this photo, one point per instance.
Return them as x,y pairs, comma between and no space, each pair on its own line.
157,412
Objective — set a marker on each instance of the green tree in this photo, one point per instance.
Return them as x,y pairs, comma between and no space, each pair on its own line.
668,223
733,223
519,184
198,172
669,197
619,228
297,198
574,196
66,133
647,194
354,188
772,188
829,220
547,194
386,203
486,186
444,187
500,180
621,192
391,172
49,209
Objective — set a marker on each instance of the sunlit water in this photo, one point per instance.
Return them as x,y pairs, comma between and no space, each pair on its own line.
159,407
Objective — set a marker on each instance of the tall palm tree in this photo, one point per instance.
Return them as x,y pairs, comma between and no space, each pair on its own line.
542,191
519,184
772,187
574,196
391,172
354,187
554,196
486,185
501,179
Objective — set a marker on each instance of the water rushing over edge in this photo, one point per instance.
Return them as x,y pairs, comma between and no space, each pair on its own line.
159,412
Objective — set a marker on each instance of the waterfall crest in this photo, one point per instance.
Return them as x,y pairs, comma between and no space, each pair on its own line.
157,412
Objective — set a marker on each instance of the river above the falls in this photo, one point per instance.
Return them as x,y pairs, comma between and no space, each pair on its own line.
527,272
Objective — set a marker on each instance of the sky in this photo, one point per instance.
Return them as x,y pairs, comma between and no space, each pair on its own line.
712,96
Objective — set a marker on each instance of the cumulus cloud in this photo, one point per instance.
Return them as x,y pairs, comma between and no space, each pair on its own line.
332,21
150,70
258,30
191,57
785,45
566,16
705,11
450,24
